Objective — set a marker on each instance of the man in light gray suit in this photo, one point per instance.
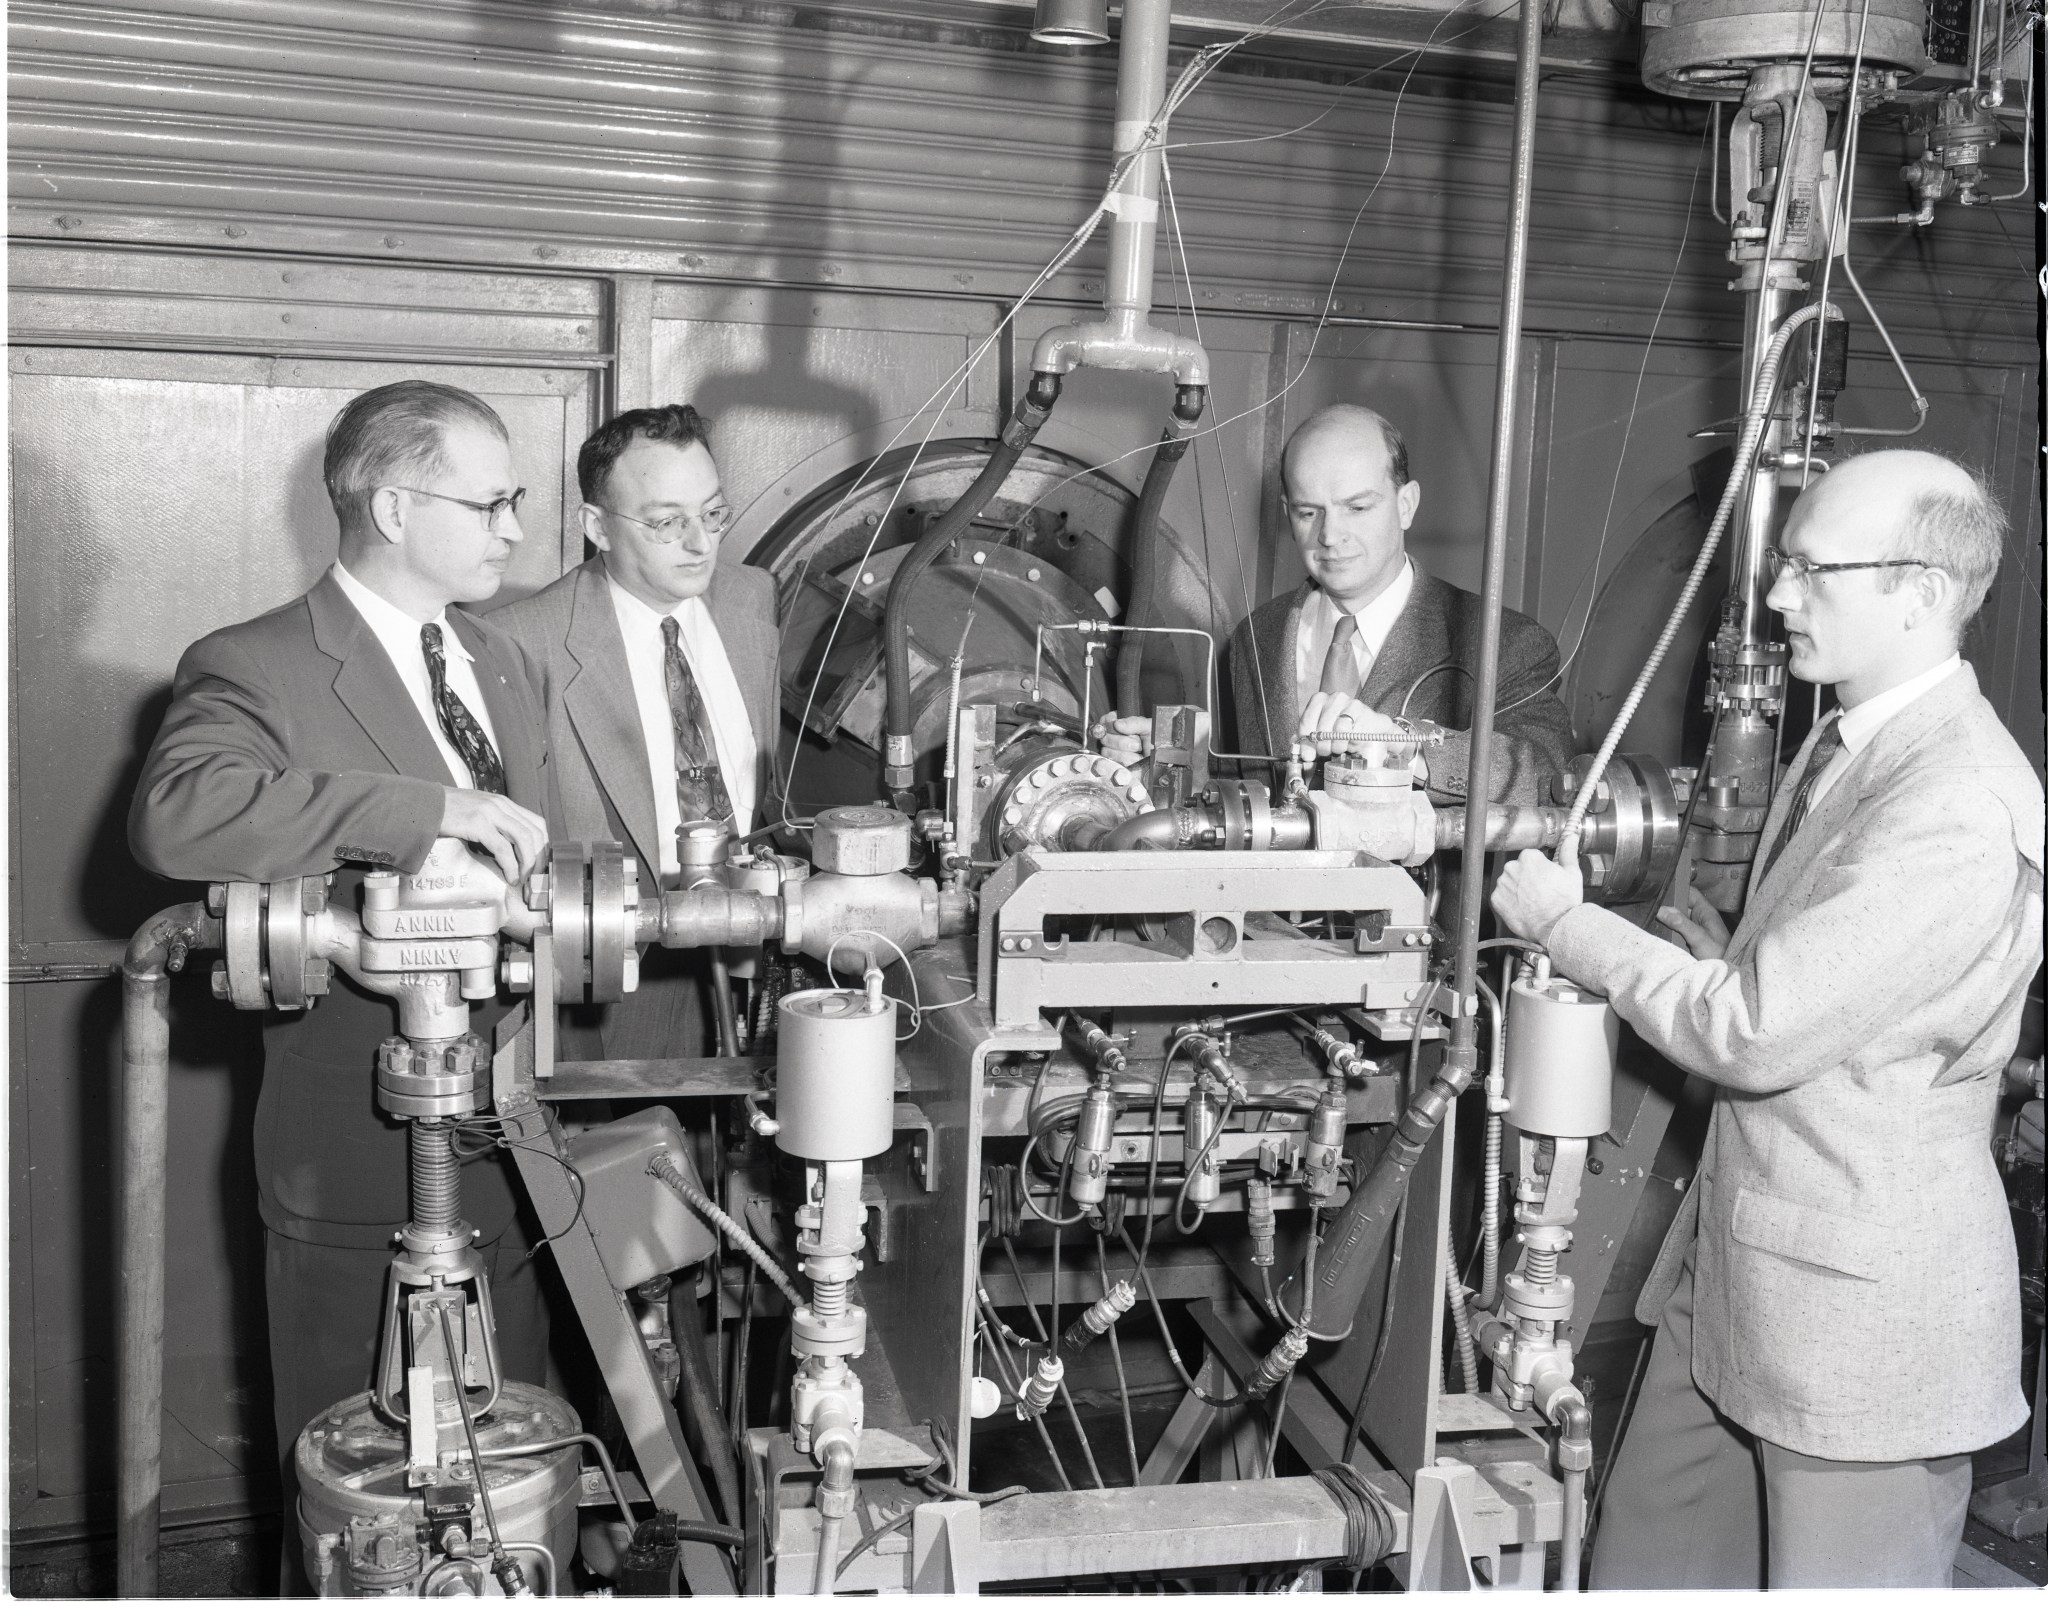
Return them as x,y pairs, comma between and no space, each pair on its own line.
1840,1296
660,665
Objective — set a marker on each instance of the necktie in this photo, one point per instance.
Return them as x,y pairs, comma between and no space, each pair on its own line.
700,789
1825,747
1342,673
458,725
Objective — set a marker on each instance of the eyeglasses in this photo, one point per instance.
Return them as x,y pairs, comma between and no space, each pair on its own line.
1804,569
493,511
713,521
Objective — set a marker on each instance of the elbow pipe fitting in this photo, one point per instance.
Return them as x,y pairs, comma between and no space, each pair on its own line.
1156,828
1125,339
898,751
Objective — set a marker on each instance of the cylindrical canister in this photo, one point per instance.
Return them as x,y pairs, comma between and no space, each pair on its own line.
1561,1042
835,1075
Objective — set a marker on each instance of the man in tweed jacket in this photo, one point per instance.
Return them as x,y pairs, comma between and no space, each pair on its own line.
1840,1296
1369,635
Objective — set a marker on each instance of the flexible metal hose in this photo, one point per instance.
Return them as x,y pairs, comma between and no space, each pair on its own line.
1461,1328
663,1167
1745,452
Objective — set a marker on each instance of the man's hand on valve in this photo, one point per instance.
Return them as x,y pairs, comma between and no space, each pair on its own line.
1534,893
1126,738
1334,723
508,833
1699,925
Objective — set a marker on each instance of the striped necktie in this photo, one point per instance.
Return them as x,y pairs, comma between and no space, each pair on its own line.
1825,747
458,725
700,787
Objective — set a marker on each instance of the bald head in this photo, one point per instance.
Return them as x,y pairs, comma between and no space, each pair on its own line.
1919,505
1891,555
1349,502
1347,427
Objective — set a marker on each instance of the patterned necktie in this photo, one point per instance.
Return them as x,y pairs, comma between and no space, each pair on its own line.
1342,673
458,725
700,788
1825,747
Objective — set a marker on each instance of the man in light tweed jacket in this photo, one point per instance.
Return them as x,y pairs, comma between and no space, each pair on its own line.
1839,1298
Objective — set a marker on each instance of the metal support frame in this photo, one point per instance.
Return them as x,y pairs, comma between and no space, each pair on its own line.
645,1412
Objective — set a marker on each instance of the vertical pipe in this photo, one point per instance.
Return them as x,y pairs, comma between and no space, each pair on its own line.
1462,1055
1362,1227
157,949
1140,92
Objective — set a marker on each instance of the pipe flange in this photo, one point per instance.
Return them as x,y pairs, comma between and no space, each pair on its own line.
1537,1302
1049,801
416,1081
844,1335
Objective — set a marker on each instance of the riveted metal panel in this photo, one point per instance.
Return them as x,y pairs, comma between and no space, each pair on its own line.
753,144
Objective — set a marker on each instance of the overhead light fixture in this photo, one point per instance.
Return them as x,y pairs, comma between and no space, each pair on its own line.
1071,22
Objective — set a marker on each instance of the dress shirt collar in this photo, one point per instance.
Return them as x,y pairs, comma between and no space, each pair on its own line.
637,609
392,624
1376,618
1861,723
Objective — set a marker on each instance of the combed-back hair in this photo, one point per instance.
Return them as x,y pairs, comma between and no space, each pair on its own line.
396,435
677,424
1959,532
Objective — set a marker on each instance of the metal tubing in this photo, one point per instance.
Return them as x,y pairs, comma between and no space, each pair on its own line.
1140,94
1462,1058
1509,827
1359,1232
158,948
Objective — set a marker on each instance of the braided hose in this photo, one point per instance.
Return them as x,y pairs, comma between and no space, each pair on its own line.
1489,1217
1745,451
664,1168
1461,1327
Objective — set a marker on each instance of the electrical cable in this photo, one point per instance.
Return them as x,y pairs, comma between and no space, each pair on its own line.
1368,1522
1045,1339
1236,1397
736,1403
1015,1385
501,1564
1116,1355
1356,1430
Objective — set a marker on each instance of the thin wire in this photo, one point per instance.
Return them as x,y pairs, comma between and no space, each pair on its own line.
1116,1352
1589,580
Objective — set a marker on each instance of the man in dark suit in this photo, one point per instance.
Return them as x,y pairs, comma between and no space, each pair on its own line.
353,726
660,658
1369,636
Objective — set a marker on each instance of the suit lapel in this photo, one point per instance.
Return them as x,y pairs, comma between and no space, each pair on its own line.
1282,688
1415,646
606,715
368,686
512,716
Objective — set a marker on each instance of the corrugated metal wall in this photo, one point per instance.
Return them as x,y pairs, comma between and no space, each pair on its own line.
228,214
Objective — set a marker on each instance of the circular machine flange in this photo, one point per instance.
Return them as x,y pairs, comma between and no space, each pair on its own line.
1630,843
1709,47
569,918
284,941
1050,548
611,932
242,941
1047,799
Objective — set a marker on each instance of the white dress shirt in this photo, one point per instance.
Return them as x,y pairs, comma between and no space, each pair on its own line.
399,633
1861,723
732,733
1319,617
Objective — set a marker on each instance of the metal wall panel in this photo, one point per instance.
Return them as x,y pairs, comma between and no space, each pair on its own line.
881,150
157,496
